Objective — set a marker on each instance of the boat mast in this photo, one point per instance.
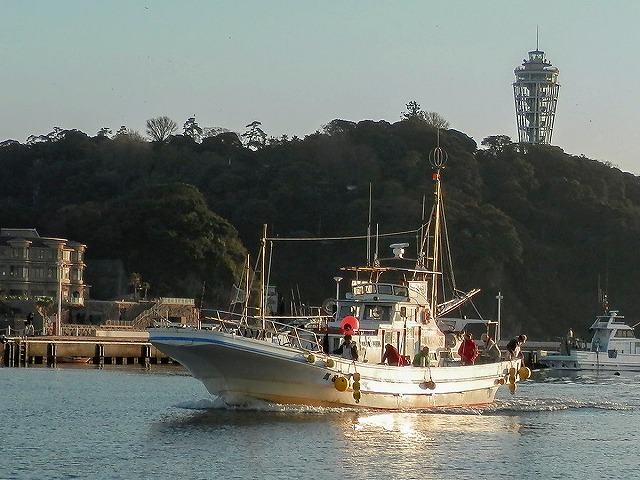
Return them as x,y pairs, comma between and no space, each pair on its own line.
247,288
369,231
437,158
263,278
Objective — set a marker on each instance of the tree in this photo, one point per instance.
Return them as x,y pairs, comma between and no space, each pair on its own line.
135,281
172,222
44,306
255,138
160,128
498,144
435,120
144,286
222,143
413,111
104,132
337,127
192,129
213,131
430,118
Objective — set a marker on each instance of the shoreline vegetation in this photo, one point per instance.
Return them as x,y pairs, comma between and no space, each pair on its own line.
546,229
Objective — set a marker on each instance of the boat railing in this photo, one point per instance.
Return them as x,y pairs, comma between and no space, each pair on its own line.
280,330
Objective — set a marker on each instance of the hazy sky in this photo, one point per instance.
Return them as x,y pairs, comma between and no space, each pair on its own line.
296,65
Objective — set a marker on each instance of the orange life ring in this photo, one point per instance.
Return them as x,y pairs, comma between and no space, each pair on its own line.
349,324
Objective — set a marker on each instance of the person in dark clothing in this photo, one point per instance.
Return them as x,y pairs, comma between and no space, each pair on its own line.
347,348
513,347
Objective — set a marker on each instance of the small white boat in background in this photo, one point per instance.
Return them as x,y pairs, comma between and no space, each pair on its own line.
614,346
242,357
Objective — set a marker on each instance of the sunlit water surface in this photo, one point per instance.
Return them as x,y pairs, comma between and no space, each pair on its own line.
131,423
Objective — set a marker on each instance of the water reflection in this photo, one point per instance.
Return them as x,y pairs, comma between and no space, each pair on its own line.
423,425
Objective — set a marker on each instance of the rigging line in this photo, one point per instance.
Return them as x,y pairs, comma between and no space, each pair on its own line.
265,288
427,226
476,309
449,257
356,237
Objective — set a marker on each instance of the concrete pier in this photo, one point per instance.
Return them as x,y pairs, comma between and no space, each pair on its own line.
51,350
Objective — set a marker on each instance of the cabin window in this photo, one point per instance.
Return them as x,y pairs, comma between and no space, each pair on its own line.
385,289
377,312
370,288
352,310
624,334
400,291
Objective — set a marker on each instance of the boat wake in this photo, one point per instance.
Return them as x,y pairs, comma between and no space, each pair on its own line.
515,407
552,405
253,405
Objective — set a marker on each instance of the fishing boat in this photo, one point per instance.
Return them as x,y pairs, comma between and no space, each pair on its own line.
614,346
389,301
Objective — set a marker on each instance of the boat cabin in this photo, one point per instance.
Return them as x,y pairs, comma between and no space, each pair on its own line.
381,313
612,335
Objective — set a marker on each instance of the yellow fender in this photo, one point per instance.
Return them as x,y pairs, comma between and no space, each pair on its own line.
524,373
341,383
311,358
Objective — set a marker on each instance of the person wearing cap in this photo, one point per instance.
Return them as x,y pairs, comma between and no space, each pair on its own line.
347,348
491,352
513,347
468,350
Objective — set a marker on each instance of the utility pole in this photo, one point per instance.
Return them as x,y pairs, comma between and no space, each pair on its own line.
499,297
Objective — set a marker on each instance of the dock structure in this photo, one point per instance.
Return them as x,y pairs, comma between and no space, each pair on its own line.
20,351
121,339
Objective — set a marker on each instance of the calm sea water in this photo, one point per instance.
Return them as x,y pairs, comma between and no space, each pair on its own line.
128,423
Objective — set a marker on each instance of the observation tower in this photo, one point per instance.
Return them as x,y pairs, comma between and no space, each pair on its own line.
535,92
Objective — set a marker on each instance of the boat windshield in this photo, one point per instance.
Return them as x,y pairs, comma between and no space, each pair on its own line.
624,334
381,288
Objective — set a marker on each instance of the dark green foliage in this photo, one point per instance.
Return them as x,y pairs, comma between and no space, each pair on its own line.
174,241
534,223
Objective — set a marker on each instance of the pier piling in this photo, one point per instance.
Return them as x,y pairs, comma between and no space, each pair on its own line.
50,351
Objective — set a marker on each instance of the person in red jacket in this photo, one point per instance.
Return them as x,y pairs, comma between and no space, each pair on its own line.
391,355
468,350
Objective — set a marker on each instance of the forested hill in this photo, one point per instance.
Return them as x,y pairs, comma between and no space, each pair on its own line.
542,227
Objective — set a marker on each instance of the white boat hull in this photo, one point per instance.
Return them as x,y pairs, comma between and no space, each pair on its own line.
237,367
583,360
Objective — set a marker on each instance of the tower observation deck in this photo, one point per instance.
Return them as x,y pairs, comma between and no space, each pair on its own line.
535,92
